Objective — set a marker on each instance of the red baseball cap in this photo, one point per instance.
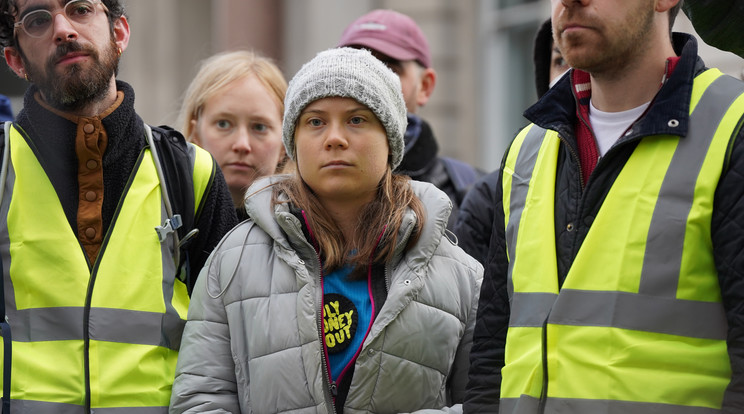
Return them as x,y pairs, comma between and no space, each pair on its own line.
390,33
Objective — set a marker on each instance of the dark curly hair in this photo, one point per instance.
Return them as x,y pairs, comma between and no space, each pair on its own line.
9,9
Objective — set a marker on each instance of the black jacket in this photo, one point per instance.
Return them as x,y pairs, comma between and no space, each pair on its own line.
578,204
52,139
475,218
421,163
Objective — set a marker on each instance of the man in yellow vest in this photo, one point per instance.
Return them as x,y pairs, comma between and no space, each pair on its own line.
615,277
98,221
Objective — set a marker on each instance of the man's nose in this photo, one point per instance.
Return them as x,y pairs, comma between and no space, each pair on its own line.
63,28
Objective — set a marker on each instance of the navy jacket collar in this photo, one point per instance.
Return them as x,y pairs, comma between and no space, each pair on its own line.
557,108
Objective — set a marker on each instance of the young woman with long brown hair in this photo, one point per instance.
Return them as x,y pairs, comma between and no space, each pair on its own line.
341,293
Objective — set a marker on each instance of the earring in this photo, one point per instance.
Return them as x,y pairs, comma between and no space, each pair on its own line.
25,76
119,50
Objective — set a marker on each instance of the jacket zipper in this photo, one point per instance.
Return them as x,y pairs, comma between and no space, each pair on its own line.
331,387
331,390
387,277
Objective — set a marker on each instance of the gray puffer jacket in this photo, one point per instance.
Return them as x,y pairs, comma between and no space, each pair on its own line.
252,340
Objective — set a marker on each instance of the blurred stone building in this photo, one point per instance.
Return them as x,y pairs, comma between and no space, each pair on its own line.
482,51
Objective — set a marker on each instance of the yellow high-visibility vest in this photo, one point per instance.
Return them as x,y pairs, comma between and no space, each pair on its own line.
638,325
105,334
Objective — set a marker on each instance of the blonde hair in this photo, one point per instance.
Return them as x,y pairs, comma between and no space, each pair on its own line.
217,72
376,232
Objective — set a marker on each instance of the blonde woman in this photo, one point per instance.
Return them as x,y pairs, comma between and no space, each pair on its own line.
341,293
233,109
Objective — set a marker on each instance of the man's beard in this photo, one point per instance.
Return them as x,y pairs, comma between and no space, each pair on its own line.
76,87
618,48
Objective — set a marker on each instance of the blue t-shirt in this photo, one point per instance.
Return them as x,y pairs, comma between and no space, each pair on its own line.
347,317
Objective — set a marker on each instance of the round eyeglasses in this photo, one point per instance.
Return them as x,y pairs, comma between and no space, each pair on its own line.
38,22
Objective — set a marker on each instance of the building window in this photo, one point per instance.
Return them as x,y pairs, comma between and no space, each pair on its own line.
507,30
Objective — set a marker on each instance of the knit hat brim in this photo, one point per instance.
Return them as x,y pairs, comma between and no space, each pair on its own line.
348,73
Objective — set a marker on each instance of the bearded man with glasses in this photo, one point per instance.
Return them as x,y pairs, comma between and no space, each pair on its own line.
98,220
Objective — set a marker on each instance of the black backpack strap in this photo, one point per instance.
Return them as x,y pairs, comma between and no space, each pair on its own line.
173,156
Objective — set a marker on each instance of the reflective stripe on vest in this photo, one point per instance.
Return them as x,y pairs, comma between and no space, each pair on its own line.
638,325
41,407
109,331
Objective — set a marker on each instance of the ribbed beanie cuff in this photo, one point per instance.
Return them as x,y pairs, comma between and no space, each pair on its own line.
348,73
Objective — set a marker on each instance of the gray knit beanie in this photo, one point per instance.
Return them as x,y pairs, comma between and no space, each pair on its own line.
348,73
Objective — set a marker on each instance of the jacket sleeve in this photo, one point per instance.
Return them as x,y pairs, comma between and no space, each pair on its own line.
215,218
205,374
727,233
458,376
489,338
475,218
459,373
